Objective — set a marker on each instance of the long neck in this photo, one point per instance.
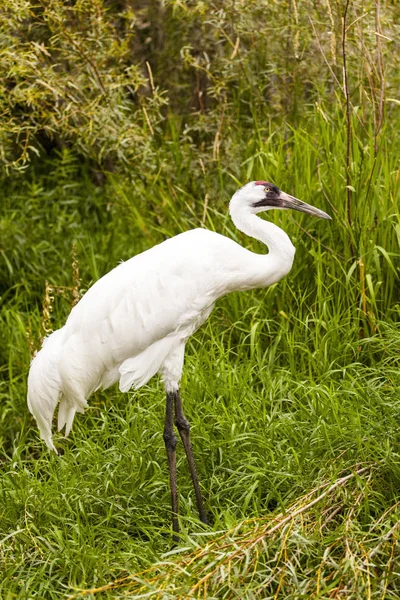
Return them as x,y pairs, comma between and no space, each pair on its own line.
281,250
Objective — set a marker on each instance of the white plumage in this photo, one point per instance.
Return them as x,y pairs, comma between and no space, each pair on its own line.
134,321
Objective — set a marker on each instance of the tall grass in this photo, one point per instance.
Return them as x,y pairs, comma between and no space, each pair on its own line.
292,391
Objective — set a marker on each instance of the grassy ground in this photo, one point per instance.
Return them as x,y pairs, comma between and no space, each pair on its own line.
288,390
292,392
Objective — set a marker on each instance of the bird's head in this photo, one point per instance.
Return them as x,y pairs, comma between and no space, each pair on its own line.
258,196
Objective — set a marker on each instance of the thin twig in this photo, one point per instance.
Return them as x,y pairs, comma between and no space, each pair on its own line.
348,118
384,539
75,277
150,76
324,57
206,199
381,75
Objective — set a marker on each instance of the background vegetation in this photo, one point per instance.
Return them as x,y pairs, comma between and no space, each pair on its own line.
123,123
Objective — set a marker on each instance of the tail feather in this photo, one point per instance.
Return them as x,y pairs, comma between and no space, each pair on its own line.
44,385
66,414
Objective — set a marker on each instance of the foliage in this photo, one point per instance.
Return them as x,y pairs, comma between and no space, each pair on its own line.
71,81
97,76
123,123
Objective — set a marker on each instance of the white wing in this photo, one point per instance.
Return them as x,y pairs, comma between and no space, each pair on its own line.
148,304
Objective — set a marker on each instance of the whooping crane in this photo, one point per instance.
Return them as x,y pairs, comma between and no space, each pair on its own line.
134,322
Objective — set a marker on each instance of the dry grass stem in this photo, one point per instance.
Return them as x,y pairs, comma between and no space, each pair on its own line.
243,549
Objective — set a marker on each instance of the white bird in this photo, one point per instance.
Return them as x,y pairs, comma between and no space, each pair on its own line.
135,321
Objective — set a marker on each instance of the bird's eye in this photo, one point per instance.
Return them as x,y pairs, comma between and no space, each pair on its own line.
267,189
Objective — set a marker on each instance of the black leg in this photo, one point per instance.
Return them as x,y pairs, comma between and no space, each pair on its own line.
183,426
170,444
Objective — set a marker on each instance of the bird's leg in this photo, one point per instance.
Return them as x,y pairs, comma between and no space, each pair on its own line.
170,444
183,426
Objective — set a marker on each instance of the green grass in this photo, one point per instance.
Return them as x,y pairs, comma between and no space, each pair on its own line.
287,389
264,435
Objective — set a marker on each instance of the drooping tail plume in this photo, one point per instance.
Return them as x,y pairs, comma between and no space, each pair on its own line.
44,385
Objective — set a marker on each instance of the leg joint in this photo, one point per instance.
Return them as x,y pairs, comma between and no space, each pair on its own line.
182,423
170,440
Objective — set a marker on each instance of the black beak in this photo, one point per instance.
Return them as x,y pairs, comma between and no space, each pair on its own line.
287,201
